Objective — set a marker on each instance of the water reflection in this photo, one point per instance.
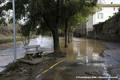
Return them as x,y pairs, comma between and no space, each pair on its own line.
82,60
81,50
84,50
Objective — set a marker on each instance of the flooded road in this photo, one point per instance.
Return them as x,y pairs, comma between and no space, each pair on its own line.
83,58
83,49
7,50
7,53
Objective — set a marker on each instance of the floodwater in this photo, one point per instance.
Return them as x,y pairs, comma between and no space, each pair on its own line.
83,49
7,50
83,56
80,52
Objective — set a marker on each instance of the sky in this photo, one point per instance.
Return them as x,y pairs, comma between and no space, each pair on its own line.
109,1
114,1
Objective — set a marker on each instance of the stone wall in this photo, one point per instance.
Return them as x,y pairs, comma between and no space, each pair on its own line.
109,30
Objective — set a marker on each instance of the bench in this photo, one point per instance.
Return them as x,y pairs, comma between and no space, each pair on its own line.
30,53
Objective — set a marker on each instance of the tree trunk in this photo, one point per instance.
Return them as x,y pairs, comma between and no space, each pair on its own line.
56,41
66,34
71,36
68,37
55,34
55,30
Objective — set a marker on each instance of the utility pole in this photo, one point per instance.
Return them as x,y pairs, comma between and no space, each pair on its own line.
14,29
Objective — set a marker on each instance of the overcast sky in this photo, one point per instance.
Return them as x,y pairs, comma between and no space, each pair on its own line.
109,1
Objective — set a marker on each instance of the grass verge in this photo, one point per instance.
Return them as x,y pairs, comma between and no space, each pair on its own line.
7,39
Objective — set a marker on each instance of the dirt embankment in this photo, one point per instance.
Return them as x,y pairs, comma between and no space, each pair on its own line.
5,32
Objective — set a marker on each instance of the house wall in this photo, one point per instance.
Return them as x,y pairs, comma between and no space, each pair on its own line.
107,12
89,25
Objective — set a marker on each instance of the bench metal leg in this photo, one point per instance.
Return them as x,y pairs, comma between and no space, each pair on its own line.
39,54
29,56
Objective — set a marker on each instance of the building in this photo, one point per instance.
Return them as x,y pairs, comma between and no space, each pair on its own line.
80,30
105,12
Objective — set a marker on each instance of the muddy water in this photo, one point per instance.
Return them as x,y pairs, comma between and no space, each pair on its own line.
83,59
7,50
79,51
82,49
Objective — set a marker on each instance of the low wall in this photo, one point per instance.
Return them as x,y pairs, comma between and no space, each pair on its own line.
110,30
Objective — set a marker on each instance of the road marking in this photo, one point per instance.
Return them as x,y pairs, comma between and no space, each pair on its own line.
50,68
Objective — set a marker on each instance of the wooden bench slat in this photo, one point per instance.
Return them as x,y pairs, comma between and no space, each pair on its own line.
40,50
32,52
31,46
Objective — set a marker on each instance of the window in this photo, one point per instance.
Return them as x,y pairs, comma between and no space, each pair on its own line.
100,16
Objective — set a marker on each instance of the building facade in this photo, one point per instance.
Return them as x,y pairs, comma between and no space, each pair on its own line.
106,11
81,30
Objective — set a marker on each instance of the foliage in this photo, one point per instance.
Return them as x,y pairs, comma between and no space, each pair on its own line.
43,13
49,15
77,12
